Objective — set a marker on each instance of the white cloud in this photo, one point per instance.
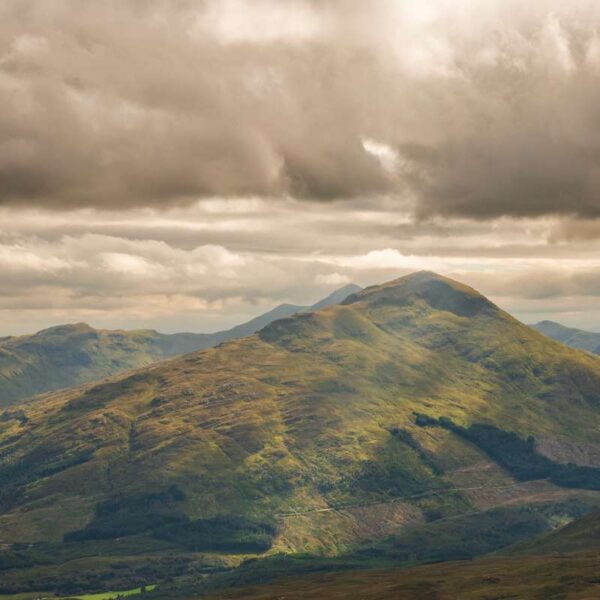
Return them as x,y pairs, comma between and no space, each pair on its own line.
129,264
383,152
258,21
336,279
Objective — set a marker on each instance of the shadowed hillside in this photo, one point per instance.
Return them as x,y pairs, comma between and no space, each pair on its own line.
579,536
561,565
69,355
534,578
311,436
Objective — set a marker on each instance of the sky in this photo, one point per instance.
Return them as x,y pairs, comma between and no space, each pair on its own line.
185,165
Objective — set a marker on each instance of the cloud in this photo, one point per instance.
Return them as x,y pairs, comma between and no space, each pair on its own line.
175,274
543,282
466,109
188,164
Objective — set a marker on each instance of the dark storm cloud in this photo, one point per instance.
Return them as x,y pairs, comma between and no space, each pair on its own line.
125,103
467,109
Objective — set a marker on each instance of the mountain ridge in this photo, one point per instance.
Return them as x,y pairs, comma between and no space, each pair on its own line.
372,328
570,336
72,354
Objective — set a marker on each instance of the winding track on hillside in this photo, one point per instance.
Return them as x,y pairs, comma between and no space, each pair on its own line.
343,507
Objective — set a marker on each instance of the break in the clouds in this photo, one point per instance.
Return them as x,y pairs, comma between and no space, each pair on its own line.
187,164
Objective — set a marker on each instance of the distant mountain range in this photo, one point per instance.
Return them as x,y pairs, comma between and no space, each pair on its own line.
413,422
576,338
73,354
69,355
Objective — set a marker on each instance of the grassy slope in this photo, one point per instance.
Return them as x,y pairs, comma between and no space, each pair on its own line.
560,565
536,578
580,535
70,355
298,414
298,418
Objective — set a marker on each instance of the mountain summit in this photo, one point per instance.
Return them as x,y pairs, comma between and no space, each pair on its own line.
440,293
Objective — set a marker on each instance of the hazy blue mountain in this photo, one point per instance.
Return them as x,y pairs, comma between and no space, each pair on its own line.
337,297
576,338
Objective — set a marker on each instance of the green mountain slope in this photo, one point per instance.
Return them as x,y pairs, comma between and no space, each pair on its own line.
581,535
571,577
576,338
319,433
69,355
562,564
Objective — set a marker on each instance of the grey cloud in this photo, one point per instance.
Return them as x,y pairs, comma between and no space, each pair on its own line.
542,283
491,109
117,104
116,281
189,164
575,230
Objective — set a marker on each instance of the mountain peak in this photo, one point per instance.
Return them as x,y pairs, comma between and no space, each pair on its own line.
547,326
571,336
221,451
337,296
424,276
439,292
65,329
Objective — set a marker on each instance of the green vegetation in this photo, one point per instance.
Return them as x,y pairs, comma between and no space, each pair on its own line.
577,536
454,538
556,566
532,578
159,514
300,439
101,596
124,516
70,355
519,456
106,567
471,535
24,596
236,535
116,595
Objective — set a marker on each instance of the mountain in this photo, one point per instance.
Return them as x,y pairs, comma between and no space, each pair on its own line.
69,355
281,312
576,338
337,297
410,407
